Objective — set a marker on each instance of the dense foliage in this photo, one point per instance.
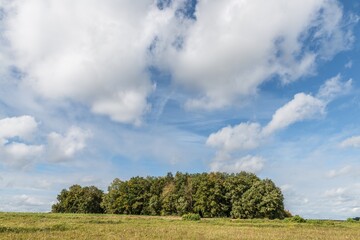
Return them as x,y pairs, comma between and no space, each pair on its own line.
241,195
79,200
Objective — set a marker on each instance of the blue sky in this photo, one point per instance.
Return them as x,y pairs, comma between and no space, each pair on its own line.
93,90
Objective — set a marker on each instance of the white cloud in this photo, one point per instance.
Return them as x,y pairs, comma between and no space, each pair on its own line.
25,203
351,142
98,53
65,147
302,107
22,127
17,153
339,172
20,155
92,51
223,59
248,136
343,199
333,88
20,151
28,200
240,137
248,163
125,107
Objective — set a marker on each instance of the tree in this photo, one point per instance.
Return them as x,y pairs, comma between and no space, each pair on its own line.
210,196
111,202
138,193
79,200
168,199
262,200
241,195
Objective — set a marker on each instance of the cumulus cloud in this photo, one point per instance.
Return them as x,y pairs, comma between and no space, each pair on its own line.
302,107
222,58
94,52
64,147
16,152
98,53
247,136
21,127
240,137
20,154
248,163
351,142
305,106
123,106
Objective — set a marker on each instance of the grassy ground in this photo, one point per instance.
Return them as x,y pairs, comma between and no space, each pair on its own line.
79,226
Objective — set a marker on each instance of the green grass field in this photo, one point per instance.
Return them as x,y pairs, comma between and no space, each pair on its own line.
81,226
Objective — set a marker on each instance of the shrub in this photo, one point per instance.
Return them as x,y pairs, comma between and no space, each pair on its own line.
191,217
287,214
296,219
355,219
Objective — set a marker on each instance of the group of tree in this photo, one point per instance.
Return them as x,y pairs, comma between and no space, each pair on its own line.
79,200
241,195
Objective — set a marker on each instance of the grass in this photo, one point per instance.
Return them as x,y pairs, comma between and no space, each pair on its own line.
92,226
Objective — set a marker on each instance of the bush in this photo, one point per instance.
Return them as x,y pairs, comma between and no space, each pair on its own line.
287,214
296,219
355,219
191,217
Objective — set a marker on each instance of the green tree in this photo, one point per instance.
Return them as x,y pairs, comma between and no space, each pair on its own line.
139,195
168,199
210,196
113,201
241,195
154,205
236,185
156,187
262,200
79,200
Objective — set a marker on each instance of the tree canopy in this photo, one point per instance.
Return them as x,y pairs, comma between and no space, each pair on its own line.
79,200
241,195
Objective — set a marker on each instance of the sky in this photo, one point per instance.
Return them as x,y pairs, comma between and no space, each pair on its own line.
94,90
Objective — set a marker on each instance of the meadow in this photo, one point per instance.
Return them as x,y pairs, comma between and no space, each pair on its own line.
102,226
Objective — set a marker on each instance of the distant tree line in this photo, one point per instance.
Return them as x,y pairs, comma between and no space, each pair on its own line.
241,195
